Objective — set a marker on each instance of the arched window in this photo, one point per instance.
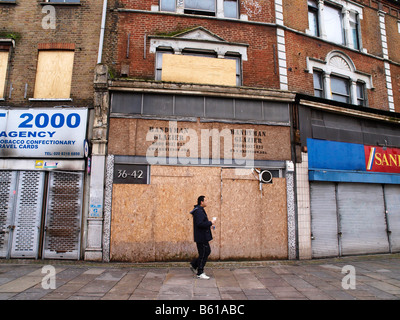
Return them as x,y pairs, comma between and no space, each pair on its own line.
337,79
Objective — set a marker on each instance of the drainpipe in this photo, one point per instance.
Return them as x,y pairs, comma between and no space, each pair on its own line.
103,25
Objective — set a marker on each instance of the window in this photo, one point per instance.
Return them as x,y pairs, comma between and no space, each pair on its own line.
198,56
238,68
318,84
336,21
64,1
168,5
333,24
231,9
354,32
340,89
205,67
361,101
54,74
337,79
159,58
3,71
313,18
205,7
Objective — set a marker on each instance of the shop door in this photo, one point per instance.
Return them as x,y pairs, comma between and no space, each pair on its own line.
392,198
63,216
324,220
27,214
362,218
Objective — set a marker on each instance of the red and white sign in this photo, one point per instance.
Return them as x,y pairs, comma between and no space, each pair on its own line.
379,159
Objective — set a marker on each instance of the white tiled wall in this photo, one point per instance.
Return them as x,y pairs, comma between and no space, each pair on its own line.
303,207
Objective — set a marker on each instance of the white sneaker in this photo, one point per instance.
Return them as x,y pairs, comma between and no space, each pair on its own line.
203,276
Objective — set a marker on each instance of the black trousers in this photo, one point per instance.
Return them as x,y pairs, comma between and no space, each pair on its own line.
204,251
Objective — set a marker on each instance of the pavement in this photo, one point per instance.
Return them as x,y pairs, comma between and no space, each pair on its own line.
373,277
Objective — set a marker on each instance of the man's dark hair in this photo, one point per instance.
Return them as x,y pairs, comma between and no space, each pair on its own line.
200,199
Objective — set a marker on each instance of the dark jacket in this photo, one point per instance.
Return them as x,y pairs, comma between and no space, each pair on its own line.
201,225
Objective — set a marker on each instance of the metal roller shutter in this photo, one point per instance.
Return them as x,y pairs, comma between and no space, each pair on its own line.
392,197
362,218
323,220
63,216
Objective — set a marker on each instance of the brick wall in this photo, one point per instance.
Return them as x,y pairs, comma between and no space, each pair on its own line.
258,71
76,25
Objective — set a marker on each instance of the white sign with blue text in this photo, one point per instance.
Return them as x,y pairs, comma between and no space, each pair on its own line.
43,133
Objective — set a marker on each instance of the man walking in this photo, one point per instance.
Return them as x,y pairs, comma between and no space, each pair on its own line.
202,235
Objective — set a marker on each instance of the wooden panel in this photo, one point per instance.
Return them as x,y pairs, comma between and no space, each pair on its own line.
177,192
132,219
253,226
3,71
152,222
54,74
192,69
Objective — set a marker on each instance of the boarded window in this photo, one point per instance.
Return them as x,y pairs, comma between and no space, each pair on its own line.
54,74
3,71
192,69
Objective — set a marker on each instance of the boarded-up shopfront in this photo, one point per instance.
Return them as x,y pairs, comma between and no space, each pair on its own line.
157,168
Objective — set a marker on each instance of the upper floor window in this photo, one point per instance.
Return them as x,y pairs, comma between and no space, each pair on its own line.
336,21
198,56
168,5
64,1
337,79
219,8
231,9
205,7
54,74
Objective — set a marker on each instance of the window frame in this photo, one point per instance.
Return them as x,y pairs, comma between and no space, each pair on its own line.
161,5
38,76
321,90
199,53
237,9
346,10
313,10
199,11
338,94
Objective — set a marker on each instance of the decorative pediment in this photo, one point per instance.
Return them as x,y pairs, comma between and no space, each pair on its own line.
197,38
198,33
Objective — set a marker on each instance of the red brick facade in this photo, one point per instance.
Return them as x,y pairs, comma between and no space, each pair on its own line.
141,19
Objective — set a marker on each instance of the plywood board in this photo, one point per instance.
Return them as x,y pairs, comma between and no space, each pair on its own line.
193,69
153,223
3,71
54,74
253,226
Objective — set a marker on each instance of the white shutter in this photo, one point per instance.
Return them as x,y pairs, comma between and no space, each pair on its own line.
392,196
323,220
362,218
